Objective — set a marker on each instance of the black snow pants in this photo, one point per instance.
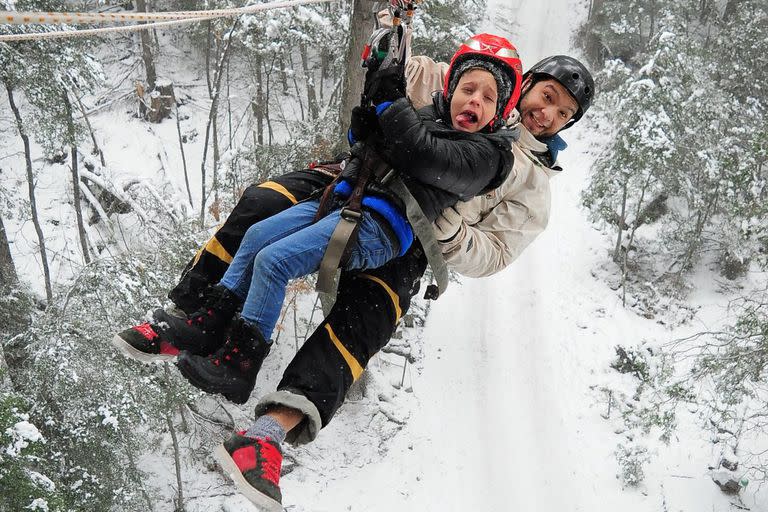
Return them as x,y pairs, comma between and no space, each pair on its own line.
368,307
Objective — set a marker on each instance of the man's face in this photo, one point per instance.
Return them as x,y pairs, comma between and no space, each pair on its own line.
546,106
473,104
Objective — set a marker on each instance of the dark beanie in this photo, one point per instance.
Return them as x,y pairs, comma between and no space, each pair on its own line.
499,72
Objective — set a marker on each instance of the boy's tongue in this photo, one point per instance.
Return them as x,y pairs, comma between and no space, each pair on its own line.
465,119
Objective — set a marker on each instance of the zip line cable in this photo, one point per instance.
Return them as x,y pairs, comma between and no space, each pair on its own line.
156,19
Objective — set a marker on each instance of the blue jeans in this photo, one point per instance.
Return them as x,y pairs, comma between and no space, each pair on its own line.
289,245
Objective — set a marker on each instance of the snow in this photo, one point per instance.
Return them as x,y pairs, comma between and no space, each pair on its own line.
108,417
38,504
22,434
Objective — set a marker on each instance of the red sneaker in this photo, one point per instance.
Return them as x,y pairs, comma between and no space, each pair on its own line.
145,343
254,465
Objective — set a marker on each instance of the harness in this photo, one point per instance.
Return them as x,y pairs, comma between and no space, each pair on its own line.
386,48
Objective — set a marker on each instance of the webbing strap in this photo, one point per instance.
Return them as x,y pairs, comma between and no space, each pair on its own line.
344,234
327,280
423,230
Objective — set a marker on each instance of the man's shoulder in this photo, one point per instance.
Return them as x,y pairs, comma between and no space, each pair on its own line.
424,64
423,77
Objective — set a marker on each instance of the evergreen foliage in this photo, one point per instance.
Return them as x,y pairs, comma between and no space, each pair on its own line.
440,26
87,401
24,461
691,135
45,70
683,177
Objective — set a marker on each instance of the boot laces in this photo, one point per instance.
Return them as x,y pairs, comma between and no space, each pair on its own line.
147,331
271,460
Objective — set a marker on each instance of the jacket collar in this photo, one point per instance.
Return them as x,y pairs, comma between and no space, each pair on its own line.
538,149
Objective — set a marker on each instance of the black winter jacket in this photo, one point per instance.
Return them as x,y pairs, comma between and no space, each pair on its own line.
439,164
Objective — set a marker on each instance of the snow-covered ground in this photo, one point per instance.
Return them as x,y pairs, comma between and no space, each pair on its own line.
502,410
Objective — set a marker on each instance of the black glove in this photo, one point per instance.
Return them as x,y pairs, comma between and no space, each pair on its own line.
386,84
364,124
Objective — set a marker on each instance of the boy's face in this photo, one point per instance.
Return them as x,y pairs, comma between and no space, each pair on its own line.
473,104
546,107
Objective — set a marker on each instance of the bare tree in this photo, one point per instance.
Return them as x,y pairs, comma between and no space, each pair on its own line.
8,276
146,50
258,104
31,186
310,79
213,115
75,178
183,155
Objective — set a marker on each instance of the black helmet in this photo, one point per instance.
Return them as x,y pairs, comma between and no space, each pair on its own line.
572,74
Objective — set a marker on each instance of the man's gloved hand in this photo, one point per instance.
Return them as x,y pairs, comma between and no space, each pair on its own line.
385,84
448,225
364,124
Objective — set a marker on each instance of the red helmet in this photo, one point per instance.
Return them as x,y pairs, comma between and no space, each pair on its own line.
493,48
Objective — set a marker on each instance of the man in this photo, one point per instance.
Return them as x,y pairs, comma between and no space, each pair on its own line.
477,238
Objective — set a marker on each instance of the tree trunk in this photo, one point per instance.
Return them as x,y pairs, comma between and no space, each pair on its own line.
310,79
324,64
298,91
730,9
31,186
6,384
695,240
96,149
76,179
176,449
653,8
183,156
8,276
208,59
213,113
625,265
258,106
360,26
214,209
161,101
229,108
284,79
267,76
146,50
620,224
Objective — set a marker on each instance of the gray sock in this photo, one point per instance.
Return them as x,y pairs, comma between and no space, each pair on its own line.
267,426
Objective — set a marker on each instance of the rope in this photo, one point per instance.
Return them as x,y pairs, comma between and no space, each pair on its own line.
174,18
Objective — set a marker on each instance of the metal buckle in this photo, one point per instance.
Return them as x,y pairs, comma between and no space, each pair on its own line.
350,215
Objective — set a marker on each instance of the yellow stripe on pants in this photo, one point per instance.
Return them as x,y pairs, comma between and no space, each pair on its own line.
390,291
214,247
354,366
272,185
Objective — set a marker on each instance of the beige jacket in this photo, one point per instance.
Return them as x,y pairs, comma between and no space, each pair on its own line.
493,229
496,227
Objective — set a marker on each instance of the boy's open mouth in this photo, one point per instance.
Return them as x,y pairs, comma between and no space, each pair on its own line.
467,116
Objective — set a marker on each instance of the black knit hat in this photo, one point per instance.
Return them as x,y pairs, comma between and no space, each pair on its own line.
500,73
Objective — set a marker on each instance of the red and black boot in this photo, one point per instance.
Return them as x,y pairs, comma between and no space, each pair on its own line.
254,465
232,370
204,331
145,343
